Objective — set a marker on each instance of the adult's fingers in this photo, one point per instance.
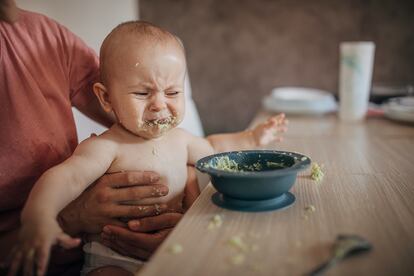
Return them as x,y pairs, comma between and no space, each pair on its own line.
129,178
155,223
138,211
140,192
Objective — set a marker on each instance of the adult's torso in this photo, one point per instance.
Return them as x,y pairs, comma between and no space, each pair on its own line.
37,126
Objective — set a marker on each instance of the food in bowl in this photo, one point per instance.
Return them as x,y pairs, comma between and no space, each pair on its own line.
225,163
253,174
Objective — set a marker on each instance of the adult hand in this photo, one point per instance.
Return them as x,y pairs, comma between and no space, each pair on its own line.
145,235
142,241
101,204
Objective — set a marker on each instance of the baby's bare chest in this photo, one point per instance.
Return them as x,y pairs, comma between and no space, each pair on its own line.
169,160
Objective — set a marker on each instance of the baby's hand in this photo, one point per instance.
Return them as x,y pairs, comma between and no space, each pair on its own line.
33,247
270,130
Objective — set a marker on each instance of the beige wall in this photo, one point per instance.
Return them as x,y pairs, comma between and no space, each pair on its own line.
238,50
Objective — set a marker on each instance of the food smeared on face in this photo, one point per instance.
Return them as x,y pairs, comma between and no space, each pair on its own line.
163,124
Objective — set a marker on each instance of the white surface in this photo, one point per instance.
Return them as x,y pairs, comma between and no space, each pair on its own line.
355,73
400,109
300,101
191,122
92,20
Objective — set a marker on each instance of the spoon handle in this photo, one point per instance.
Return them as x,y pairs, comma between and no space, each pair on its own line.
323,267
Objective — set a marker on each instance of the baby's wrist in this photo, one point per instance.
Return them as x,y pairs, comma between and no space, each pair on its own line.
251,139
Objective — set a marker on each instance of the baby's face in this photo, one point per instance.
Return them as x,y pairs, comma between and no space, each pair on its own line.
146,89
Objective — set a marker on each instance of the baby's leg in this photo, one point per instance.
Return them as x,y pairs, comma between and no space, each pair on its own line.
192,190
110,271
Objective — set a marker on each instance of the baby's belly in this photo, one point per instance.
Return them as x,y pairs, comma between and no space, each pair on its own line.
175,179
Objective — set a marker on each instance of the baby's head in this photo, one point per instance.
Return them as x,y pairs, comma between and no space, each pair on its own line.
142,78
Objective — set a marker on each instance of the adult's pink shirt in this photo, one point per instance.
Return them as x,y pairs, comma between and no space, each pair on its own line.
44,71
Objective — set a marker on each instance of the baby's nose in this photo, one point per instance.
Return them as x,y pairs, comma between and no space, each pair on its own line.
157,102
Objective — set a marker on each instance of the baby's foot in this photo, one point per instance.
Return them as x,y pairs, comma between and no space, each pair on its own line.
271,130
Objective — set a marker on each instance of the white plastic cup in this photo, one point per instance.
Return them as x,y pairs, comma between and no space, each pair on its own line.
355,74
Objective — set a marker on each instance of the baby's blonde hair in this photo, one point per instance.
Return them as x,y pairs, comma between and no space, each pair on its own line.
143,30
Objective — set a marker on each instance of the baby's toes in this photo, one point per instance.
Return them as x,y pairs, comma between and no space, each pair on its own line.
283,121
278,120
272,124
282,129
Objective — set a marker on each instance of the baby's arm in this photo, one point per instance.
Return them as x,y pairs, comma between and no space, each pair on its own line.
52,192
261,135
63,183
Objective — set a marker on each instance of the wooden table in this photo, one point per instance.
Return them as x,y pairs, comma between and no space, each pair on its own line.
368,190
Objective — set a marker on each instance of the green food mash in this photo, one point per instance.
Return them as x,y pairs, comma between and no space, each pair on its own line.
316,172
162,124
224,163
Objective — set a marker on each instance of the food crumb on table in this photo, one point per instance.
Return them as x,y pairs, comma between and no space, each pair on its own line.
238,243
215,222
176,248
310,208
316,172
237,259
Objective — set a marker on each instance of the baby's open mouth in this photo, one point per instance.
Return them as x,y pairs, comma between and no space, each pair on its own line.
161,122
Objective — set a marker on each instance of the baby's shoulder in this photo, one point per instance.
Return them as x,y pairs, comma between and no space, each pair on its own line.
106,141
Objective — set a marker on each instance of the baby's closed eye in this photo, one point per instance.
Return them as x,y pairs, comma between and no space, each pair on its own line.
141,94
172,93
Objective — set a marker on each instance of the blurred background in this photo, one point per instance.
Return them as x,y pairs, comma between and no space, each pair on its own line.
238,50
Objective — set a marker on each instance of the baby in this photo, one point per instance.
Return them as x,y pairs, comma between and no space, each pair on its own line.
142,79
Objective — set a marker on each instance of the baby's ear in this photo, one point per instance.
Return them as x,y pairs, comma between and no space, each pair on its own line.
101,92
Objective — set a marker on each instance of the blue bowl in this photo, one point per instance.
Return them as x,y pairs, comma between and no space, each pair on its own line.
254,176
